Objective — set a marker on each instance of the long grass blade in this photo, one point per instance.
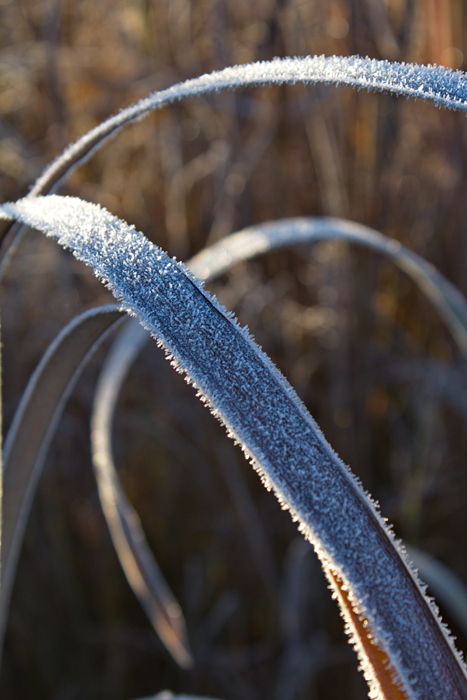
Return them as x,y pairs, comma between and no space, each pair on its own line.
437,84
33,426
261,411
141,569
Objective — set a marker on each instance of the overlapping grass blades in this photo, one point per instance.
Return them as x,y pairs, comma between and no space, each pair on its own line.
139,565
380,598
385,609
33,427
219,258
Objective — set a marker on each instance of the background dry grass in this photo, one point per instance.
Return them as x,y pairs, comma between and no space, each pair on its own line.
362,347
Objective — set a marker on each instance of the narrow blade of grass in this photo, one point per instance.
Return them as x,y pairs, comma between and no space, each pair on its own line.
262,412
440,85
33,426
140,567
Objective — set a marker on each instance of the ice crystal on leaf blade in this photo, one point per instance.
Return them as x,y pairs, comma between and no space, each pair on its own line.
262,412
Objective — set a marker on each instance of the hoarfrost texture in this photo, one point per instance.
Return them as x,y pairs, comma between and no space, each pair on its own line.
440,85
262,411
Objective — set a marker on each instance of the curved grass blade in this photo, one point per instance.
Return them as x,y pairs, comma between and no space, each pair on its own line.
262,412
442,86
141,570
33,426
257,240
437,84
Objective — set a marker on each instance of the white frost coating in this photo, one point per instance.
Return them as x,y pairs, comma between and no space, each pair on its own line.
438,84
263,412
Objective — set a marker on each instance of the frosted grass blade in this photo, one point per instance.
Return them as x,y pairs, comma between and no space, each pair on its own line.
141,569
437,84
261,411
33,426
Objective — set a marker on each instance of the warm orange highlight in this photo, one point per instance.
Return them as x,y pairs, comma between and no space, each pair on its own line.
375,663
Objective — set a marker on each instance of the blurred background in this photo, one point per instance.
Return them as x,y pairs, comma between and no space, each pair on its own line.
358,341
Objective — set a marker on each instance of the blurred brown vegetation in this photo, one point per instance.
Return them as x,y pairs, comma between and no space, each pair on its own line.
358,341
